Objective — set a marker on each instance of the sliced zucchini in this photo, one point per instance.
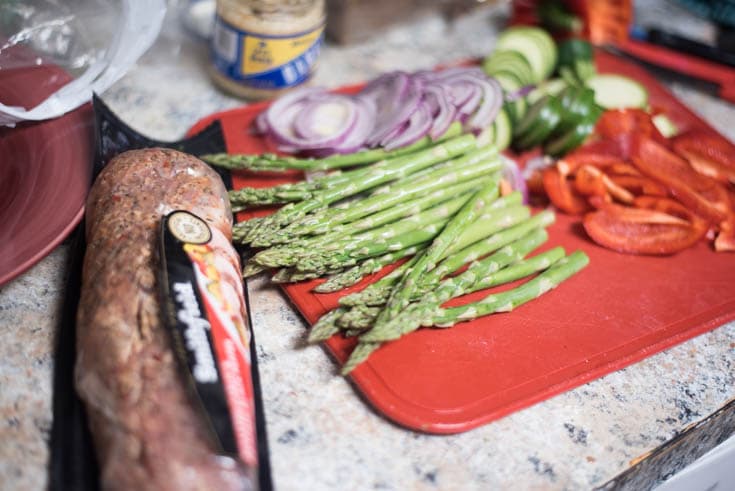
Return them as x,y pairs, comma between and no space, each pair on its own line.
536,46
503,130
509,61
508,81
550,87
614,91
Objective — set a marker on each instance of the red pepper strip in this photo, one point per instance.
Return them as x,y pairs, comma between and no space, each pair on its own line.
705,196
601,146
665,205
725,241
639,185
622,169
708,153
643,215
589,181
573,161
616,191
562,194
629,122
633,232
624,126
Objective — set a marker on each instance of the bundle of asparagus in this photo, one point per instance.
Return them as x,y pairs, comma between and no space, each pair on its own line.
436,204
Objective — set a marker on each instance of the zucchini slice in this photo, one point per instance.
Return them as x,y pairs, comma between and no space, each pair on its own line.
536,46
503,130
614,91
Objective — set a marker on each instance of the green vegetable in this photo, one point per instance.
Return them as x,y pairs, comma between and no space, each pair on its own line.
363,179
576,58
554,15
275,163
509,300
614,91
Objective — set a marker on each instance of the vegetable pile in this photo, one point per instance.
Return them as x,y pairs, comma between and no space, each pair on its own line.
643,193
439,206
407,173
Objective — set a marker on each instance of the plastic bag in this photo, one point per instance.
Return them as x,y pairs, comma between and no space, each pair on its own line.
95,41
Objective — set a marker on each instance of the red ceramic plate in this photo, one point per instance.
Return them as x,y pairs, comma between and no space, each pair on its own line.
44,171
618,310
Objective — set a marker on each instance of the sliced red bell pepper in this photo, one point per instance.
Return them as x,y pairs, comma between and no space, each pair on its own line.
639,185
622,169
725,240
588,180
624,126
561,193
705,196
708,153
573,161
639,231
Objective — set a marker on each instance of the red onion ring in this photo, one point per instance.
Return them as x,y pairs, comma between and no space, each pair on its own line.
512,175
442,111
416,128
520,93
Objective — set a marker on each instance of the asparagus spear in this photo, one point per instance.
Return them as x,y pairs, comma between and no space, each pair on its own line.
559,271
326,326
361,317
421,312
359,354
508,300
372,265
480,162
377,293
364,179
390,237
273,162
368,213
483,247
402,294
293,275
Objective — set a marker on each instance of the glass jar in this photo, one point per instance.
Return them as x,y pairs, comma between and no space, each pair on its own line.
261,48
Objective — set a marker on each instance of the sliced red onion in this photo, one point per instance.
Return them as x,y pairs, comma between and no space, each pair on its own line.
492,101
472,103
324,117
452,72
261,124
512,175
442,111
394,112
418,126
460,92
364,123
520,93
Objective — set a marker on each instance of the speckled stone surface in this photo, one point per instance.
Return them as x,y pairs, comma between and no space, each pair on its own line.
322,434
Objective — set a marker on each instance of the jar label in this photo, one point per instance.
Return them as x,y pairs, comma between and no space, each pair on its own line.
264,62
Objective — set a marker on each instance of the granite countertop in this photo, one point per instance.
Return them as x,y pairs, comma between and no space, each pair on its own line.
322,434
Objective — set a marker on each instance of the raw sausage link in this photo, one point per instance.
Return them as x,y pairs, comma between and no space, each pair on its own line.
146,431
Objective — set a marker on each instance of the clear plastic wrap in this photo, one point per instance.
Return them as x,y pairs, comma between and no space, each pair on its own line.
94,41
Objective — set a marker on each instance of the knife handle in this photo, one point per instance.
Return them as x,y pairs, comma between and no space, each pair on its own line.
689,46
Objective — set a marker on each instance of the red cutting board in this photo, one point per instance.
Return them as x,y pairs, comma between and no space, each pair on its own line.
620,309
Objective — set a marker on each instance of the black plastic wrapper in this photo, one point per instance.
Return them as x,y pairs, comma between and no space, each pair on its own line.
72,464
